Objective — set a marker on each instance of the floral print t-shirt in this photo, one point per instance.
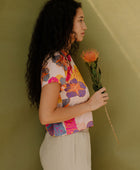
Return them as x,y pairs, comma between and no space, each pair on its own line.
73,90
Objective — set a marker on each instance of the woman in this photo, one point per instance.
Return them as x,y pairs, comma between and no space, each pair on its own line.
57,88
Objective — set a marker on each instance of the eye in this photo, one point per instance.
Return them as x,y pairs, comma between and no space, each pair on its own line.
81,20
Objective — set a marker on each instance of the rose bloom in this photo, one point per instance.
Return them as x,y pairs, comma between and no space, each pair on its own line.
90,55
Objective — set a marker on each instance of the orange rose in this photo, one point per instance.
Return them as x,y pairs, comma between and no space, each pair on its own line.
90,55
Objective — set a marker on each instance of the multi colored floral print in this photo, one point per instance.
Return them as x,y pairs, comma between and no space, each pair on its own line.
73,90
45,74
59,60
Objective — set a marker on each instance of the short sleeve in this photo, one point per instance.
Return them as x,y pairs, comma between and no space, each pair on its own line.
52,72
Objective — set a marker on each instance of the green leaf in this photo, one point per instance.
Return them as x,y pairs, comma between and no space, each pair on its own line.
94,72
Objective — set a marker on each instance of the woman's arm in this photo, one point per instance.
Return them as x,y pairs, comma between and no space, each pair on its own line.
49,113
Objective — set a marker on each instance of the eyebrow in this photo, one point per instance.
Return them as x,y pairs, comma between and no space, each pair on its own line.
81,17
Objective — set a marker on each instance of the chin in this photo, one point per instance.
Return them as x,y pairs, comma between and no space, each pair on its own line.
80,39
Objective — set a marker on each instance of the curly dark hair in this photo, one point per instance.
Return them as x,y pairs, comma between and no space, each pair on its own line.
51,33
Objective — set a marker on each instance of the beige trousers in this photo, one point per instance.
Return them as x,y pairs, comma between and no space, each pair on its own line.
70,152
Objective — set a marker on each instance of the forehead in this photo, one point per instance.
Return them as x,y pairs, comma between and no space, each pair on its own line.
79,13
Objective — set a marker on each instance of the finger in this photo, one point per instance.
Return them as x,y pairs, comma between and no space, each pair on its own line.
104,94
105,103
102,90
106,98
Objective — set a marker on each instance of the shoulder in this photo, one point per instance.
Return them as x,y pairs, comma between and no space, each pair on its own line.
51,59
57,60
53,70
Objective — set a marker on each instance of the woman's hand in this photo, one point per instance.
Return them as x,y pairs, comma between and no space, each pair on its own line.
98,99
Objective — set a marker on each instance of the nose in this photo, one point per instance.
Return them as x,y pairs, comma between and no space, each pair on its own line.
84,26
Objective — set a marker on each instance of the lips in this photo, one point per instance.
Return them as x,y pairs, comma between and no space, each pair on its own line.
83,33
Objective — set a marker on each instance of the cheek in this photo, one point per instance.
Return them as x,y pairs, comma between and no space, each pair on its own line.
76,28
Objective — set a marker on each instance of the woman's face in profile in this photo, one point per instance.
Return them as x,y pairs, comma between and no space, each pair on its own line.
79,25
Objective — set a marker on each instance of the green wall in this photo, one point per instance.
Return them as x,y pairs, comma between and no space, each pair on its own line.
20,130
113,29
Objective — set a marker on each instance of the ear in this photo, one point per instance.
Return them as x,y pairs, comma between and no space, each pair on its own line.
74,35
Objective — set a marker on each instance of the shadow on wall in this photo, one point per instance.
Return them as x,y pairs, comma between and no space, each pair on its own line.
114,29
